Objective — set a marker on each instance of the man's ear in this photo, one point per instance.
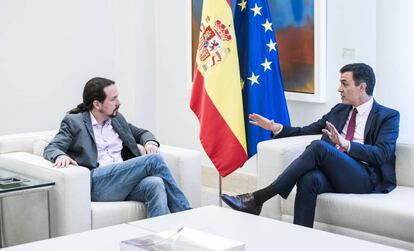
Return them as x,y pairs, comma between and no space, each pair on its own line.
97,105
363,86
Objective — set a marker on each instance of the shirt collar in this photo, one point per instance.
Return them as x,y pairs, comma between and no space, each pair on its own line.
95,122
365,107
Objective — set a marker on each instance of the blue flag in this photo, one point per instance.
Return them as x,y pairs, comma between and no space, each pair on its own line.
259,68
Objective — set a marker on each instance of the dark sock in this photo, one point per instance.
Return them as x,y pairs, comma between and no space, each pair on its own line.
262,195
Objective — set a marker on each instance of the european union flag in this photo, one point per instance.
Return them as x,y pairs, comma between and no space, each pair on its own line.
259,68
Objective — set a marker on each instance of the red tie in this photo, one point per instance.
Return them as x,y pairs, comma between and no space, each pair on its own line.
351,126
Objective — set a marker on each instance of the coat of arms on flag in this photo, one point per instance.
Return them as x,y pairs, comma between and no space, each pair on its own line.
216,96
211,48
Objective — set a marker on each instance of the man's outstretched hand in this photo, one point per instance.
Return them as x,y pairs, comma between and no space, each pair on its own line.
335,136
263,122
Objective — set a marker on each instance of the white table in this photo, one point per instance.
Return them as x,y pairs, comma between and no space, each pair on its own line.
103,239
259,233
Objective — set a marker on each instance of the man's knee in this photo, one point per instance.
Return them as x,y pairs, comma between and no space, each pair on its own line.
153,184
155,159
311,181
318,146
152,161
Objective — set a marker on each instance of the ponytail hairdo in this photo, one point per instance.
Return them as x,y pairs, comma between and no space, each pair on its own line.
93,90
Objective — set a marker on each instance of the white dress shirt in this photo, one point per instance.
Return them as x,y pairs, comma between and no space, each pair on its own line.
108,143
361,122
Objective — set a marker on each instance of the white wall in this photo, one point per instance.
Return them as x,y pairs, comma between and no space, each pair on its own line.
136,29
395,53
176,124
49,49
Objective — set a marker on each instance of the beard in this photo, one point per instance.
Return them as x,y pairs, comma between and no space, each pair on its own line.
114,113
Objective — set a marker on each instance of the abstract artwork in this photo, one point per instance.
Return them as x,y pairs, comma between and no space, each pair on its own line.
300,30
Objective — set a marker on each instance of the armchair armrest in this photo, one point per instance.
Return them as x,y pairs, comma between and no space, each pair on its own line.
273,156
70,197
185,166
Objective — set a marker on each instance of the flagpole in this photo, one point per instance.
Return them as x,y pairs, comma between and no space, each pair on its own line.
220,192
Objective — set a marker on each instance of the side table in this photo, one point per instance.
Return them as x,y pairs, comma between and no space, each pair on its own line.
13,184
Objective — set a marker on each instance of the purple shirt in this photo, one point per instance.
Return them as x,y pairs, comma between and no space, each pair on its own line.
107,141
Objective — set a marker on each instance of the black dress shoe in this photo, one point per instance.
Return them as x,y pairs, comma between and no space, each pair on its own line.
243,202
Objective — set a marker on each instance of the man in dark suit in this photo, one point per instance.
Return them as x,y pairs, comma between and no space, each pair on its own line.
356,153
97,136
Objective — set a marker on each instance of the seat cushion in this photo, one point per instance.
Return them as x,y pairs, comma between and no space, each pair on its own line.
111,213
390,215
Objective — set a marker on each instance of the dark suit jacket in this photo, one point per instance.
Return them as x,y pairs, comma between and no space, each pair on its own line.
380,136
76,139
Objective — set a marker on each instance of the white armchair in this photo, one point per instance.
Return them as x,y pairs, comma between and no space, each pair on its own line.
384,218
71,207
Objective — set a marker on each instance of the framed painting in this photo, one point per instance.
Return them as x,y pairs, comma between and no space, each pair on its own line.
300,30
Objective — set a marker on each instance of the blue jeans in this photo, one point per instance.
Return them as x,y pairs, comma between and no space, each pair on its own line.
145,179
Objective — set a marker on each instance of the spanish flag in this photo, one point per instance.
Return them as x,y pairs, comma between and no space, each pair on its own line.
217,90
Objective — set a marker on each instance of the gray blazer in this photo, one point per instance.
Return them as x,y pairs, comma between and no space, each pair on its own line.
76,139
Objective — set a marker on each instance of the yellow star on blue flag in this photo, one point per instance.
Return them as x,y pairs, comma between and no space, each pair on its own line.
258,57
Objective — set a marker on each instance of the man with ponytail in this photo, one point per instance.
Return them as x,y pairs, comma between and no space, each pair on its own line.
97,136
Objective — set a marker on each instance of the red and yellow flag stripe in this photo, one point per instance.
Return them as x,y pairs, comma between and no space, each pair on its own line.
216,95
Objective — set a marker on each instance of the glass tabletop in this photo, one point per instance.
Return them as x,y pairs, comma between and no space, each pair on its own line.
13,181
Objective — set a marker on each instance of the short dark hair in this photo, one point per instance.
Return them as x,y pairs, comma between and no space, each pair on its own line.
361,73
93,90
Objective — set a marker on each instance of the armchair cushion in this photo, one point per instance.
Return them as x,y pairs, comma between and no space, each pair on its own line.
20,142
39,146
111,213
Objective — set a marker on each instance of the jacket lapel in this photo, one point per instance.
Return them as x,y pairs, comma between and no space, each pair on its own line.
371,117
127,140
342,117
118,129
88,124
